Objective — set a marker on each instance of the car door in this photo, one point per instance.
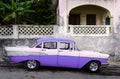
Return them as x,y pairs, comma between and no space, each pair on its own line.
49,54
67,57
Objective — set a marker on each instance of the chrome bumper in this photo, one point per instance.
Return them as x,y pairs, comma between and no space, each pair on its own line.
6,58
104,65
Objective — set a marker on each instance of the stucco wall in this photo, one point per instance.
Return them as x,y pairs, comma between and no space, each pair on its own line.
116,16
107,44
65,6
108,4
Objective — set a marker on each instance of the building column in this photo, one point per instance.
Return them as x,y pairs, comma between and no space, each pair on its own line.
63,17
112,25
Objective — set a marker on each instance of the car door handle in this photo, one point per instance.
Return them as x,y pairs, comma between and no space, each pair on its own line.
43,50
60,51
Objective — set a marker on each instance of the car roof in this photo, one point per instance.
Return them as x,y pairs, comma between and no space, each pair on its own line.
53,39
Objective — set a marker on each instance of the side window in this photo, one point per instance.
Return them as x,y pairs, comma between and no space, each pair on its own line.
39,46
50,45
66,46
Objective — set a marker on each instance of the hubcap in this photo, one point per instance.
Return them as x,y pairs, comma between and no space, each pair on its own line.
93,66
31,64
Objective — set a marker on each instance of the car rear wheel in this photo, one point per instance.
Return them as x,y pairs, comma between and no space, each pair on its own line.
93,66
32,64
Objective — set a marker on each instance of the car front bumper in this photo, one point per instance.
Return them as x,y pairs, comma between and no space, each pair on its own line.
105,65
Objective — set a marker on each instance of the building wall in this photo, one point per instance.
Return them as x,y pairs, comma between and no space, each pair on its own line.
109,44
108,4
65,6
116,16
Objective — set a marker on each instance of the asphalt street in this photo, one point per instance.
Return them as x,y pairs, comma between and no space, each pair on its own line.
12,71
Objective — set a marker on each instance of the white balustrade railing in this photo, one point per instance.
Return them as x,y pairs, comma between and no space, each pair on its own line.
89,30
37,31
26,31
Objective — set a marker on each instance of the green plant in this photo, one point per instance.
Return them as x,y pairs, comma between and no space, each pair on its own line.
44,13
13,10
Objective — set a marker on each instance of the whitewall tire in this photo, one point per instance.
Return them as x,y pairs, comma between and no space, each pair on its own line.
32,64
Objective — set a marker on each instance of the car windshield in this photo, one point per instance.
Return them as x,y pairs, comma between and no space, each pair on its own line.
33,45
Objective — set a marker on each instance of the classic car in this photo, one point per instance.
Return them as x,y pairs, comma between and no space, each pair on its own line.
55,52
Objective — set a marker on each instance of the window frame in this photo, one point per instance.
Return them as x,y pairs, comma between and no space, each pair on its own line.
50,42
70,48
39,44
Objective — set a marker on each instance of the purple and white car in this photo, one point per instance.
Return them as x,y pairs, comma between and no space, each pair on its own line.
58,53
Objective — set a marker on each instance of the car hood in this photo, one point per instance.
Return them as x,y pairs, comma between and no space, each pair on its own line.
93,54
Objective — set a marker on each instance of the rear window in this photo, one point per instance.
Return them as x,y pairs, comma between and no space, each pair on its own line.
66,46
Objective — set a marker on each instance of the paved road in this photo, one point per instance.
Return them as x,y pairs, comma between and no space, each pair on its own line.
18,72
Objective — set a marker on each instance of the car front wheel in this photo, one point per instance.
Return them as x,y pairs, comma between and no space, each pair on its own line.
93,66
32,64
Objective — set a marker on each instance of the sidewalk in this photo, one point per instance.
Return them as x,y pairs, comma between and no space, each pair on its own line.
114,63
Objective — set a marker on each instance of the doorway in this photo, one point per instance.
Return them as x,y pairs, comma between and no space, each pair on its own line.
74,19
91,19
